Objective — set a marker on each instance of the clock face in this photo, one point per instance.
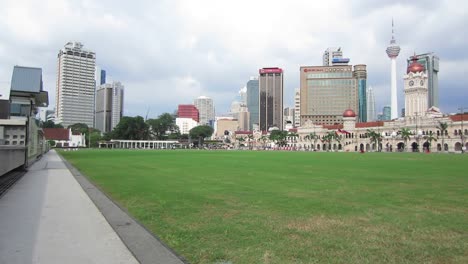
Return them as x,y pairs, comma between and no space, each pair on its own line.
421,82
411,83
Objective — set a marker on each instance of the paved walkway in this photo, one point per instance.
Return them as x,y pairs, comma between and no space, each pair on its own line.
47,217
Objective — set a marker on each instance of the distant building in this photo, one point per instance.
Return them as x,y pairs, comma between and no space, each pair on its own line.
243,95
271,98
224,125
288,116
297,108
64,137
206,110
370,105
327,90
334,57
253,102
109,106
387,113
100,76
431,65
188,111
185,124
75,85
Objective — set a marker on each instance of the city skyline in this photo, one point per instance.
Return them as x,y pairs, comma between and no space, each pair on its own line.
186,52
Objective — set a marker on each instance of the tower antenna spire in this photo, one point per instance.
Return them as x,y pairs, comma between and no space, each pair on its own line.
393,33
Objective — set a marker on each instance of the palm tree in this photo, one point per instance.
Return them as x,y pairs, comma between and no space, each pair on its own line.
329,137
314,137
405,135
293,136
375,137
429,138
250,138
443,128
264,139
239,140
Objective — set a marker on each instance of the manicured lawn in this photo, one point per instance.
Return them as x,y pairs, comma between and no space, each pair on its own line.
292,207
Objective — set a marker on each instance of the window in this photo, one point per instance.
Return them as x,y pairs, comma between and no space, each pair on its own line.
20,109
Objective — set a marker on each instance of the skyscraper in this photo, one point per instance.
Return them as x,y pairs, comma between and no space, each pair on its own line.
370,105
387,113
109,106
297,108
75,85
253,101
431,64
205,109
393,50
100,76
360,73
327,91
271,98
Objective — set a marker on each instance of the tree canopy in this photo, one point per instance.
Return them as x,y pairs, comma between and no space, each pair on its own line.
51,124
163,126
200,133
131,128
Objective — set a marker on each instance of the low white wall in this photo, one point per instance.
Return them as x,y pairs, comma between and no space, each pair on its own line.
11,157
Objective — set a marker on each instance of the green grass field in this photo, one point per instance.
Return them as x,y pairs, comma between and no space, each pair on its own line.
292,207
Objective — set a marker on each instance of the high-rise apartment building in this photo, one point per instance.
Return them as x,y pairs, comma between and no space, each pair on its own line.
75,85
327,91
206,110
370,105
188,111
253,101
297,108
271,98
109,106
431,64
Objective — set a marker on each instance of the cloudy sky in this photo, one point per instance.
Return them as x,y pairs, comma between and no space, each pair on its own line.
170,52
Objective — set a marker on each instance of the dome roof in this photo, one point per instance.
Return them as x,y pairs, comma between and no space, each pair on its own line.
415,66
349,113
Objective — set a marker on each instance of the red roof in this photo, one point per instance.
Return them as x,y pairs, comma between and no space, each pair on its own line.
458,118
370,124
293,130
56,133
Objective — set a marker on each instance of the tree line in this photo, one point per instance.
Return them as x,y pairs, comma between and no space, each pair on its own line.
136,128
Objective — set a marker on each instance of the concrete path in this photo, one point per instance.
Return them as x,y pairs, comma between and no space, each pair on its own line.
48,218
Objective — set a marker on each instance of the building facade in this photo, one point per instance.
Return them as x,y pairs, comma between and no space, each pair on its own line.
270,98
185,124
297,108
109,106
75,89
188,111
431,65
326,91
371,115
206,110
360,73
253,101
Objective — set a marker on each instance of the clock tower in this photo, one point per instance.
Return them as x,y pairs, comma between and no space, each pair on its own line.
415,89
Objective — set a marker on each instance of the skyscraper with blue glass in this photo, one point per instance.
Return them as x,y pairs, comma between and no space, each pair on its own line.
253,102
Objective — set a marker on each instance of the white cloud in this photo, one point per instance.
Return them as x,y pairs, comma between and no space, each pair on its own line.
170,52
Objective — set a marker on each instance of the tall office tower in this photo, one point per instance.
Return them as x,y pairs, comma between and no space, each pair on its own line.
334,57
416,89
206,110
431,63
327,91
297,108
100,75
253,102
271,98
243,117
360,73
393,50
370,105
188,111
109,106
288,116
75,85
387,113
